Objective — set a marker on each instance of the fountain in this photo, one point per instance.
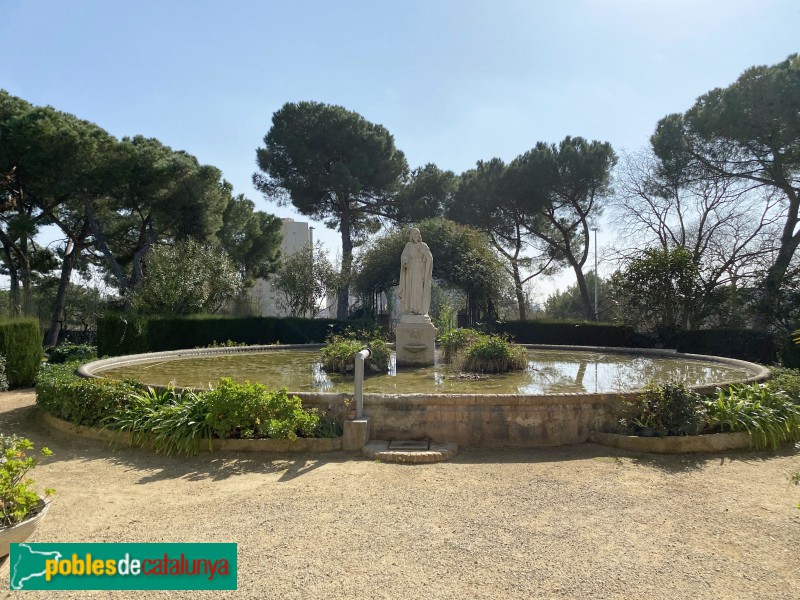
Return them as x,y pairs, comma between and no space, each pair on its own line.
565,392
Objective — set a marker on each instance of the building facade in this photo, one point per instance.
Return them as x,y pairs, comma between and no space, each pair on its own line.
263,297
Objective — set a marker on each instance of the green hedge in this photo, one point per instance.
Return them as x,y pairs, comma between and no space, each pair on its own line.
21,344
568,333
745,344
790,353
123,334
81,401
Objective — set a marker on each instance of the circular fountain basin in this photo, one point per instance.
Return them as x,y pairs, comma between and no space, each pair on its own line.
550,370
566,391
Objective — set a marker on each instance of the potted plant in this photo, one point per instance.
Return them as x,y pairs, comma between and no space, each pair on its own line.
21,508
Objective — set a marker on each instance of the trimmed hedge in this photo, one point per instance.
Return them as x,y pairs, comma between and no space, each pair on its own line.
81,401
745,344
568,333
790,353
21,344
124,334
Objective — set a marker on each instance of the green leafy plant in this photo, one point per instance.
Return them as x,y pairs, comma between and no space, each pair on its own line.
18,499
473,351
668,408
786,381
455,341
327,428
250,410
769,416
338,355
494,354
81,401
168,420
69,352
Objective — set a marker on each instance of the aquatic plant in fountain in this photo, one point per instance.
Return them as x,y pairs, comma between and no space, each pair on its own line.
476,352
338,355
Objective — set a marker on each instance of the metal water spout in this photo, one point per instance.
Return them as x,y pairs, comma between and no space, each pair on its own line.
358,391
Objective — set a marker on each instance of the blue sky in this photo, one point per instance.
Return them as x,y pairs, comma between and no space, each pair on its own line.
455,81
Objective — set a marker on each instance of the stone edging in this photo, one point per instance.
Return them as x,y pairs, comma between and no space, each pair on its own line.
261,445
437,452
713,442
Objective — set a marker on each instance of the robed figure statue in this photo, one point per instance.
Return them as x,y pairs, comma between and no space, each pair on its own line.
416,272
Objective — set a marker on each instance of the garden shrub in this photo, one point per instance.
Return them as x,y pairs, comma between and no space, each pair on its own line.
769,416
745,344
568,333
119,334
339,354
69,352
786,381
250,410
21,344
667,408
790,351
81,401
3,378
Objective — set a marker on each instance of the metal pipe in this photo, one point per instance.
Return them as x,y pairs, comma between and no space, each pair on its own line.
358,391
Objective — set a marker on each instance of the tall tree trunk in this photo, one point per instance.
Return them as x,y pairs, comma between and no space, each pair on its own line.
584,289
102,245
519,291
343,291
60,303
13,276
25,279
776,273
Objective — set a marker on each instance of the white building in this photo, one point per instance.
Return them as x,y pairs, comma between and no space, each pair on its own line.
296,236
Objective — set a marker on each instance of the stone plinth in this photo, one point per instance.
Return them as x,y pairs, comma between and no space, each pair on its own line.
415,341
356,434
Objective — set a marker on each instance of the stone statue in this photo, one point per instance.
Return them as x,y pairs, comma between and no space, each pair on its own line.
416,271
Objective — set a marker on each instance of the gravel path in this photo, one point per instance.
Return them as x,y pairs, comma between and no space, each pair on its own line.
580,521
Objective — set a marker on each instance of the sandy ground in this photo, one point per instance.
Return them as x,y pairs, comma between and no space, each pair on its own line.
580,521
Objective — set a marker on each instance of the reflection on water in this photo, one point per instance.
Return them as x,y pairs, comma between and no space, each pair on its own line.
549,371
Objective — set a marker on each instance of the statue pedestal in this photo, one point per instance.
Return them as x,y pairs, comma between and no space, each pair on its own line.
415,340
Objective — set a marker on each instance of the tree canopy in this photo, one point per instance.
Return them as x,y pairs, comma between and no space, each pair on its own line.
113,201
332,165
570,183
748,131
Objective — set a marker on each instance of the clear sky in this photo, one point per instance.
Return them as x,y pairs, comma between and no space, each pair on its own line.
454,81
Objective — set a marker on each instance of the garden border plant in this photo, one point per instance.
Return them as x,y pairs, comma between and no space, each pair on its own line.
172,421
764,412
